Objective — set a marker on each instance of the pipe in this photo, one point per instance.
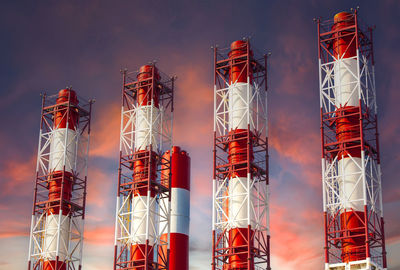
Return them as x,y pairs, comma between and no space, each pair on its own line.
144,168
180,209
62,147
241,235
347,135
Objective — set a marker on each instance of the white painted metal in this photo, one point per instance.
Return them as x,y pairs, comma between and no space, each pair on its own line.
239,111
256,105
62,153
55,229
60,235
366,264
47,240
215,210
147,117
139,220
180,211
239,213
346,82
138,125
349,182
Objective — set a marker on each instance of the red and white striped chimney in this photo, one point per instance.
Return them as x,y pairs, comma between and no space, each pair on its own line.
347,129
241,232
180,209
61,161
351,174
144,169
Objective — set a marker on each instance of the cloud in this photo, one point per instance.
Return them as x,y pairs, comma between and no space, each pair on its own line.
294,230
105,131
99,235
100,183
11,228
17,173
193,106
291,140
12,234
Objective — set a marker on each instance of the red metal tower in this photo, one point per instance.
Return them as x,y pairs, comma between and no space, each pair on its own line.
240,184
56,236
143,200
351,173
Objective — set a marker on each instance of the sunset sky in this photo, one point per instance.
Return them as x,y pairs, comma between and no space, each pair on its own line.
48,45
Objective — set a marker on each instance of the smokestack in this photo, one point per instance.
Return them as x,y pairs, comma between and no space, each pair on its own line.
240,192
144,194
180,209
60,189
354,233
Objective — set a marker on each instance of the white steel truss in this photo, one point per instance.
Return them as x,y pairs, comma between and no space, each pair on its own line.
254,192
125,235
367,170
255,109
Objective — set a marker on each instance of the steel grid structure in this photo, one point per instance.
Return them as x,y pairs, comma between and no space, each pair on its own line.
352,198
234,195
143,199
56,238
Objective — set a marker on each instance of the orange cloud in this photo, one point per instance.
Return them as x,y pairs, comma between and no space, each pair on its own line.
294,235
101,235
105,131
99,187
10,228
202,184
12,234
18,172
299,145
201,193
193,115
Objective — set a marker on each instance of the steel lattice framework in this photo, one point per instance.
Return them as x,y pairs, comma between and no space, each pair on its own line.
336,201
155,209
74,149
254,191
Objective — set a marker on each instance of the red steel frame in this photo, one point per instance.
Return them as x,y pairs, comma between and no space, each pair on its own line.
128,183
372,229
77,203
257,248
